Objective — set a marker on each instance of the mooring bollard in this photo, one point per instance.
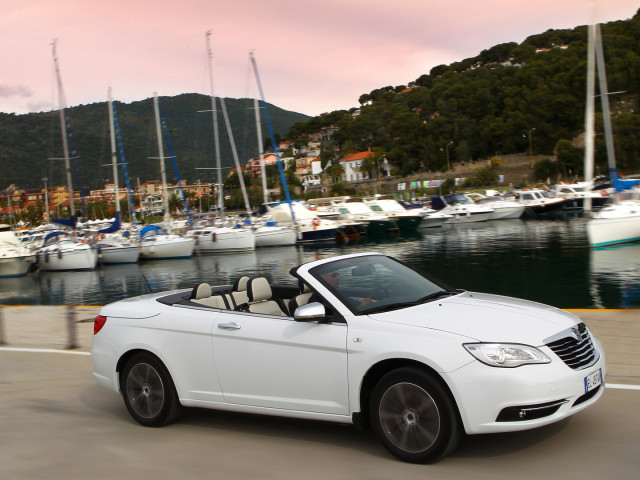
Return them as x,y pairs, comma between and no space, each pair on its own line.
71,327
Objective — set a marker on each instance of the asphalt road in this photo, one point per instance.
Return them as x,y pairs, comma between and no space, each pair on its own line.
56,422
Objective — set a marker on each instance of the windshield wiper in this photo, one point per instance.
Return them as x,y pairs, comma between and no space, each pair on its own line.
394,306
390,306
438,294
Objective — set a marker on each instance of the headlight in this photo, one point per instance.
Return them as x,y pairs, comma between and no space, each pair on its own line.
506,354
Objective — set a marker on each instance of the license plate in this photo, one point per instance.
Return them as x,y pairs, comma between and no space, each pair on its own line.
592,381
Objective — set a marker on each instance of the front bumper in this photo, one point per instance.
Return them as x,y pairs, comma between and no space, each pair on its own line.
492,399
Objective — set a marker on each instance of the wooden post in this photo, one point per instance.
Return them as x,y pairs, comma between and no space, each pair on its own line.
2,342
71,328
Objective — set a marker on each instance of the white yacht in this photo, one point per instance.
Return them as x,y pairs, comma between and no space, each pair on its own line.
503,207
309,226
576,193
539,201
156,245
618,222
116,248
15,258
461,208
215,239
388,206
61,251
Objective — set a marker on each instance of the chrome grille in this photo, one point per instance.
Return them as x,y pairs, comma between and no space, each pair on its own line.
575,347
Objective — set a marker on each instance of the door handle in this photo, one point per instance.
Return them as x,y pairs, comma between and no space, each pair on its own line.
229,326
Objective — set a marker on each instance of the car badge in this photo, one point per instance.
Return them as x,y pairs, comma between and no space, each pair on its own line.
575,333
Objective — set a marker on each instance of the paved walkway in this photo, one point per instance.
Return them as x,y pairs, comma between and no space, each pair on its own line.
71,328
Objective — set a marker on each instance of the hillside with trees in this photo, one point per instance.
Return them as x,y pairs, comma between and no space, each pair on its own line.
496,103
28,142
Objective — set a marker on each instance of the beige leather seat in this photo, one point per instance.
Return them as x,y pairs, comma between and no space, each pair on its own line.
260,297
202,294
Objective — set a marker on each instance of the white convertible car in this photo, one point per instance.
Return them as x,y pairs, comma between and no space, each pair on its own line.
361,339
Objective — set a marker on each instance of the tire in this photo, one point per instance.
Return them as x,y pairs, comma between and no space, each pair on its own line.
148,391
414,416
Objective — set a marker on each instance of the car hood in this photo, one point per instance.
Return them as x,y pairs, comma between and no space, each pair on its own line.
487,318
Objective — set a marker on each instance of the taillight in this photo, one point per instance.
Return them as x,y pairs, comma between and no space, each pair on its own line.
98,323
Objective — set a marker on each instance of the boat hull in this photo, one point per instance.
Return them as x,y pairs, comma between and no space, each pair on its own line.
224,240
161,249
274,236
508,212
123,254
469,217
612,231
16,266
60,258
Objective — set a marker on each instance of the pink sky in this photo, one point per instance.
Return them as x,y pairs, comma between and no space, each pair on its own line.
313,57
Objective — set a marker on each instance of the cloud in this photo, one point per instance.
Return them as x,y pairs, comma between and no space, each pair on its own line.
13,90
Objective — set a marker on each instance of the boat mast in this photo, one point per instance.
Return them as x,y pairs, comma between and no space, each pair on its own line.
163,173
216,138
256,107
604,99
589,113
285,187
63,126
114,155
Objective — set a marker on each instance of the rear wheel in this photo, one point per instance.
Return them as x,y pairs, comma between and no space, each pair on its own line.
413,416
148,391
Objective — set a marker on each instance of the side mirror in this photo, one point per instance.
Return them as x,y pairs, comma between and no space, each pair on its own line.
310,312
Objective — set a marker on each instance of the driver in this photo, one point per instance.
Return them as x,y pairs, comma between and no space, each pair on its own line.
333,280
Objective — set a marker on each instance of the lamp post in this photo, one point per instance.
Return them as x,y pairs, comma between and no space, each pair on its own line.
46,200
531,148
448,165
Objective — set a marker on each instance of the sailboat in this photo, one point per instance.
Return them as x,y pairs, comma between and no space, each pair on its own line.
62,251
220,237
115,247
156,242
268,233
15,258
620,221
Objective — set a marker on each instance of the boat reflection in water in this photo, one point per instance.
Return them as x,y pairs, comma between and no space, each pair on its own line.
19,290
70,287
619,267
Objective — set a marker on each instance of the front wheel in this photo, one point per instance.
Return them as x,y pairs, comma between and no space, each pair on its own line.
413,416
148,391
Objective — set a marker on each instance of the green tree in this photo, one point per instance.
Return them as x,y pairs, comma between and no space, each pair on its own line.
175,203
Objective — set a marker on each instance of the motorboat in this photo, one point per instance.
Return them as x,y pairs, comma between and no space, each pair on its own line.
386,205
352,213
62,251
15,258
310,227
577,193
157,245
461,208
539,201
503,207
616,223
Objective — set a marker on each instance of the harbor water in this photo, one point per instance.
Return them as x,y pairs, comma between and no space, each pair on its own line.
545,260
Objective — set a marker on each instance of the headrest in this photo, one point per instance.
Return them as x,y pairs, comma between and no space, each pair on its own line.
304,288
200,291
258,289
240,284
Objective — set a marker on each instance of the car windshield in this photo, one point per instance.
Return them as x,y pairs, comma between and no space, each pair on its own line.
377,283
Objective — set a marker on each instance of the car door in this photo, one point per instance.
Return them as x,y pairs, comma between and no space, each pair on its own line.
276,362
